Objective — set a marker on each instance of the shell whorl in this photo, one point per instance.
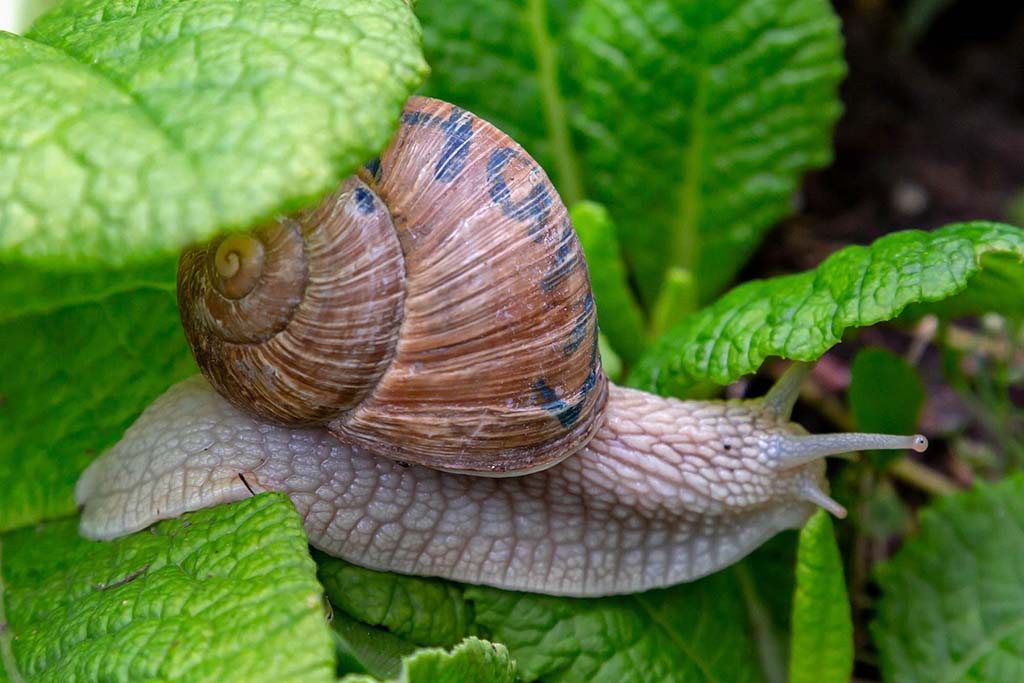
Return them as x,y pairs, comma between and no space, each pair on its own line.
298,320
436,310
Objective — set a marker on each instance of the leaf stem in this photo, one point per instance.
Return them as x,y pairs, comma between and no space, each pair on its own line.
922,477
685,245
678,299
770,651
555,117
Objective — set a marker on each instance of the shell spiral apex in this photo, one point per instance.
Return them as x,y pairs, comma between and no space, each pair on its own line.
436,309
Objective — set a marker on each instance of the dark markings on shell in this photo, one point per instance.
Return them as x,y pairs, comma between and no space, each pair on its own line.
595,352
373,167
579,331
535,207
565,260
364,200
566,414
458,131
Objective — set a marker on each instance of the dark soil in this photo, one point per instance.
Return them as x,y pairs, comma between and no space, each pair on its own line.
933,131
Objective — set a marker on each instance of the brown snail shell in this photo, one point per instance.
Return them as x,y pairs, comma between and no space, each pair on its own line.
436,309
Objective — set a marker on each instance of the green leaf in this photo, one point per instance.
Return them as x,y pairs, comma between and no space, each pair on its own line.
691,632
71,381
893,411
678,299
801,316
422,610
952,598
882,514
503,60
364,649
611,363
766,579
159,123
29,290
821,650
618,313
472,660
699,119
691,120
226,594
997,286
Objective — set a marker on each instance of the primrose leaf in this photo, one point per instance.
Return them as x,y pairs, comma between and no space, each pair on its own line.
471,660
501,60
30,290
691,632
997,286
71,381
422,610
361,648
801,316
821,649
128,130
691,120
893,411
699,118
618,313
225,594
952,597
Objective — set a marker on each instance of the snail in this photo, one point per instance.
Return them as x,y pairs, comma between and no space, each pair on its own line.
415,363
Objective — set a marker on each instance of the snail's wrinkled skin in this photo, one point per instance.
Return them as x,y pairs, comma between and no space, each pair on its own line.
667,491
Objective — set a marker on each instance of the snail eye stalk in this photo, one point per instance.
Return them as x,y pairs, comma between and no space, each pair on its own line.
794,450
790,450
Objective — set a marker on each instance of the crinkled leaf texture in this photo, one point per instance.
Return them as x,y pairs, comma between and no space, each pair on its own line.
472,660
421,610
801,316
689,633
226,594
72,380
408,611
128,130
698,119
691,120
692,632
821,648
156,123
952,605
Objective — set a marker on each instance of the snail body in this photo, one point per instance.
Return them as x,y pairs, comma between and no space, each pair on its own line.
431,321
